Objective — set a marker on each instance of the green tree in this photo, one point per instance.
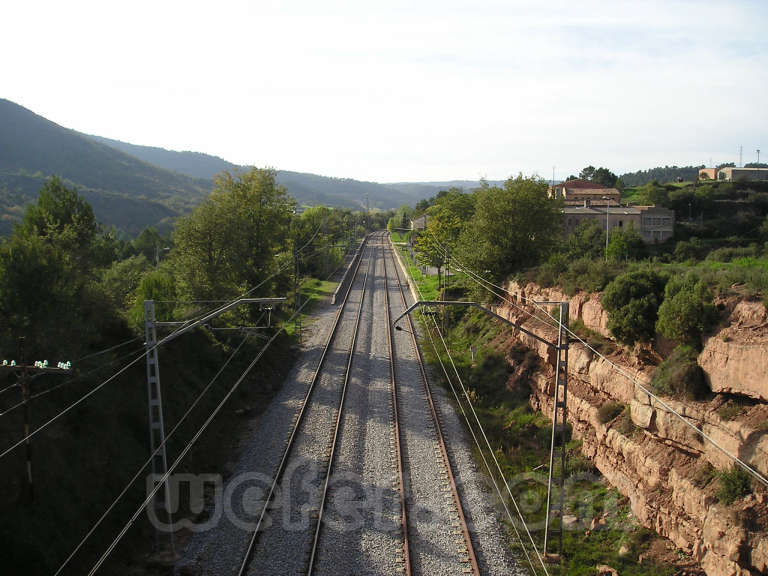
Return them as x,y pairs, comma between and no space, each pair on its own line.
48,292
625,244
586,241
605,177
446,219
632,301
587,173
687,310
231,242
512,227
62,218
601,176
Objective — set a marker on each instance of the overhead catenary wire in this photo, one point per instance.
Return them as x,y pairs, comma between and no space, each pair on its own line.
160,342
136,476
70,381
480,450
550,322
490,449
189,445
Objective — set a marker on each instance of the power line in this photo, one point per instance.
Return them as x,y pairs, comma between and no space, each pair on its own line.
184,326
149,460
490,449
482,282
70,381
186,449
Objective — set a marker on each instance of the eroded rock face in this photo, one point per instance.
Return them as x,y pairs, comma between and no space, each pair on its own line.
735,359
658,466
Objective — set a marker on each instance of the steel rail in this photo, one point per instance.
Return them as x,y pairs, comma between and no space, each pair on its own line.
441,439
299,420
396,418
339,416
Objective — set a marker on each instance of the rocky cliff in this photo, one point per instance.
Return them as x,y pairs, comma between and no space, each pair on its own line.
662,464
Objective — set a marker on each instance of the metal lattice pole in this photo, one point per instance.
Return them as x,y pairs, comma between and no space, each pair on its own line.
156,424
557,469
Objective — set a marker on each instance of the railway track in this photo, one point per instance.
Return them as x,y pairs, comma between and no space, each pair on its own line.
368,412
463,546
310,421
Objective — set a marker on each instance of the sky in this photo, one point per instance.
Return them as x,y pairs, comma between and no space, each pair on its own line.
394,90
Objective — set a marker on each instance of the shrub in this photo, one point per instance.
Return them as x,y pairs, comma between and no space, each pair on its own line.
609,411
680,375
586,274
687,310
624,424
632,302
704,474
729,411
734,484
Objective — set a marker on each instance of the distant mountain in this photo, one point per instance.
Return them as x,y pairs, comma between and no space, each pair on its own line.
195,164
124,191
420,190
132,187
307,189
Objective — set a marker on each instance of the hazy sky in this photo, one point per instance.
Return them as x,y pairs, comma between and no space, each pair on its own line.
395,91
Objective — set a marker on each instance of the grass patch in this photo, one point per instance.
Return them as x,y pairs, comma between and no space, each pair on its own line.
400,237
428,284
315,291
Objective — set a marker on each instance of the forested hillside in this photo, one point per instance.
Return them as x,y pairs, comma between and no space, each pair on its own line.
665,174
124,191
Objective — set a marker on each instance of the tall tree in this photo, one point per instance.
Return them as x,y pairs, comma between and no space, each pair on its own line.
446,219
512,227
232,241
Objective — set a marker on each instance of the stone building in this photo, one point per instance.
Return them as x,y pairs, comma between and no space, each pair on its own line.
654,223
576,192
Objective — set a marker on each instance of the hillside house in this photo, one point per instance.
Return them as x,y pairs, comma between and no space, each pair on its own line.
654,223
577,192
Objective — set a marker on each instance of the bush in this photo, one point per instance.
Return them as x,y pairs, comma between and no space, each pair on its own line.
609,411
680,376
585,274
729,411
687,310
624,424
734,485
704,475
632,302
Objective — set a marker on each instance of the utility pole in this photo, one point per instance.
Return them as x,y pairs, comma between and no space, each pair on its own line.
557,456
156,424
155,406
24,372
741,162
297,321
559,441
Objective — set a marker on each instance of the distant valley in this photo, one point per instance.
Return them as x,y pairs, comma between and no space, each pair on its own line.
131,187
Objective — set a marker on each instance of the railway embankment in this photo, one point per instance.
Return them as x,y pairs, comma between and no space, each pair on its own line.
677,481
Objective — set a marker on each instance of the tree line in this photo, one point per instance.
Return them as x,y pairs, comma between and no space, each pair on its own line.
67,282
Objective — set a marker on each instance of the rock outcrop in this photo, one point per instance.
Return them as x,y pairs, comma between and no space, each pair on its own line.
664,466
